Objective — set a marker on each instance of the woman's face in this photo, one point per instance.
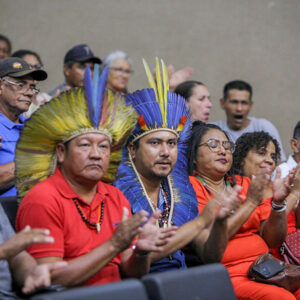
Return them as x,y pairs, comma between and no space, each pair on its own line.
260,161
119,74
199,103
213,162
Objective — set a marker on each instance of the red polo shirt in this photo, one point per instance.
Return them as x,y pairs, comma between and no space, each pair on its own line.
50,205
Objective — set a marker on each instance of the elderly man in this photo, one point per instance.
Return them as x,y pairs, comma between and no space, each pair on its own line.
153,174
237,104
75,62
88,218
17,90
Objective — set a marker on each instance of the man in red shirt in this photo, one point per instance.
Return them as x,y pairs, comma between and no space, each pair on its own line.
89,219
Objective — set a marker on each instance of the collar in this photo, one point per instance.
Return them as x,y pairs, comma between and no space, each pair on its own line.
66,190
10,124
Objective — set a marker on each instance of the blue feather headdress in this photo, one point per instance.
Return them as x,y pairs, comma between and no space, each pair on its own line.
159,109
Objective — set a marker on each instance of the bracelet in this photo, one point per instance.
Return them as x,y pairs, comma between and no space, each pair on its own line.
138,254
278,207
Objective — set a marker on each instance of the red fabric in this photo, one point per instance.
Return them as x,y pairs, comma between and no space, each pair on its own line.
244,247
50,205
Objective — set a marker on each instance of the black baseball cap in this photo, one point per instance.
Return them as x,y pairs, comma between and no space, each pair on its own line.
81,53
17,67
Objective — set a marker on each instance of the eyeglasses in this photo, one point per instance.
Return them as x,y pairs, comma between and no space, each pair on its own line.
37,66
22,86
123,71
215,145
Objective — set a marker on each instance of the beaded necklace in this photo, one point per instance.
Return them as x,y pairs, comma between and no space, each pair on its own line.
96,226
209,188
163,219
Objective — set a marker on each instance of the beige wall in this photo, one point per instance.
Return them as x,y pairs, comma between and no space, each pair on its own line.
254,40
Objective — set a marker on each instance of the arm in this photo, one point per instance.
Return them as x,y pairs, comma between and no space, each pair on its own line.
84,267
211,244
7,176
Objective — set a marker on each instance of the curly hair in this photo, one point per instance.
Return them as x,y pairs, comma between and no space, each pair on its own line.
199,129
251,141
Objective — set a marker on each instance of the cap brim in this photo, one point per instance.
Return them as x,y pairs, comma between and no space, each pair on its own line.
95,60
38,75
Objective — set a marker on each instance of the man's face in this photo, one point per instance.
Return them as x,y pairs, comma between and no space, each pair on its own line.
14,98
156,154
4,50
237,107
86,158
74,75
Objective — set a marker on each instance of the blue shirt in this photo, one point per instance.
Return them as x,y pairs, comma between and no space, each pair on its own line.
10,133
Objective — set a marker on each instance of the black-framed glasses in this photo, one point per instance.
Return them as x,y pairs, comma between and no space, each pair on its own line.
215,145
37,66
121,70
22,86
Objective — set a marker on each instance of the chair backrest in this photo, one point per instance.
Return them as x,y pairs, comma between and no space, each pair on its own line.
208,282
131,289
10,206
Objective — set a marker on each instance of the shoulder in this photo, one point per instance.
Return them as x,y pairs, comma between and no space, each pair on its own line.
262,124
220,123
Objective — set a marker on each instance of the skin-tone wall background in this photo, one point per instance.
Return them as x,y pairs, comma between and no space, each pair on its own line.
257,41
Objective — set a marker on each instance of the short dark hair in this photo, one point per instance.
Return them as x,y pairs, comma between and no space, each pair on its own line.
22,52
8,42
296,134
199,129
249,141
237,85
185,89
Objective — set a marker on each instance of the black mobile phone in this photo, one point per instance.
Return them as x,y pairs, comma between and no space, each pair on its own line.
268,268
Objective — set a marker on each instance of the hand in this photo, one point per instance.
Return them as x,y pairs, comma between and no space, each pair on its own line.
0,141
151,237
256,188
41,276
230,201
281,186
295,181
128,229
23,239
178,77
65,89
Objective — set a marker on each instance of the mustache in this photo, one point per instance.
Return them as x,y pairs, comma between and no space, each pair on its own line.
163,161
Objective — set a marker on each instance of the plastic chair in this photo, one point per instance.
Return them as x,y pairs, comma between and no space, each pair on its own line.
10,206
208,282
131,289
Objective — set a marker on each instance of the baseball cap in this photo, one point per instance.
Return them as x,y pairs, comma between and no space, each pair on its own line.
17,67
81,53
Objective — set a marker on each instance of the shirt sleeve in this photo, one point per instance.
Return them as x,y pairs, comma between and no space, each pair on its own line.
5,226
44,214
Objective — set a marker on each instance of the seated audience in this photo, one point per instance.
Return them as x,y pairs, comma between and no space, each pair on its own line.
293,159
119,64
252,228
197,99
33,59
153,174
17,267
258,152
75,61
80,140
5,47
18,88
237,103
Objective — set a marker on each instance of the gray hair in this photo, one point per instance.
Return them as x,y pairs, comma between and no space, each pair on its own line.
113,56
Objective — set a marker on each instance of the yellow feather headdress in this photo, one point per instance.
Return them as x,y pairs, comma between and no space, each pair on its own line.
81,110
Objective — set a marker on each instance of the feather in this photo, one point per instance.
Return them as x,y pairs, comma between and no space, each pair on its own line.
150,77
88,88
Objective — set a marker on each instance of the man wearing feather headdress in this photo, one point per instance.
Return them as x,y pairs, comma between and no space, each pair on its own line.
77,138
153,174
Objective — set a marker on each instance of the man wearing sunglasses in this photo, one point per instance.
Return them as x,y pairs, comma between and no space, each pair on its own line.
17,90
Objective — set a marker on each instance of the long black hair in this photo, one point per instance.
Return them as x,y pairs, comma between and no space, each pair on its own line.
199,129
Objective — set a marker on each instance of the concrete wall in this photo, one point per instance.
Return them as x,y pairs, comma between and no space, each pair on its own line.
254,40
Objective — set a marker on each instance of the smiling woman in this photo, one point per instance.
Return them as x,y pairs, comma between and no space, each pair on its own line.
254,226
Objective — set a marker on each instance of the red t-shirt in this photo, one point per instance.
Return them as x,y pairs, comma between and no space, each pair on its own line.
246,245
50,205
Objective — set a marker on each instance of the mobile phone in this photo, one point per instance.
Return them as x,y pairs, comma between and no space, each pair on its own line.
268,268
